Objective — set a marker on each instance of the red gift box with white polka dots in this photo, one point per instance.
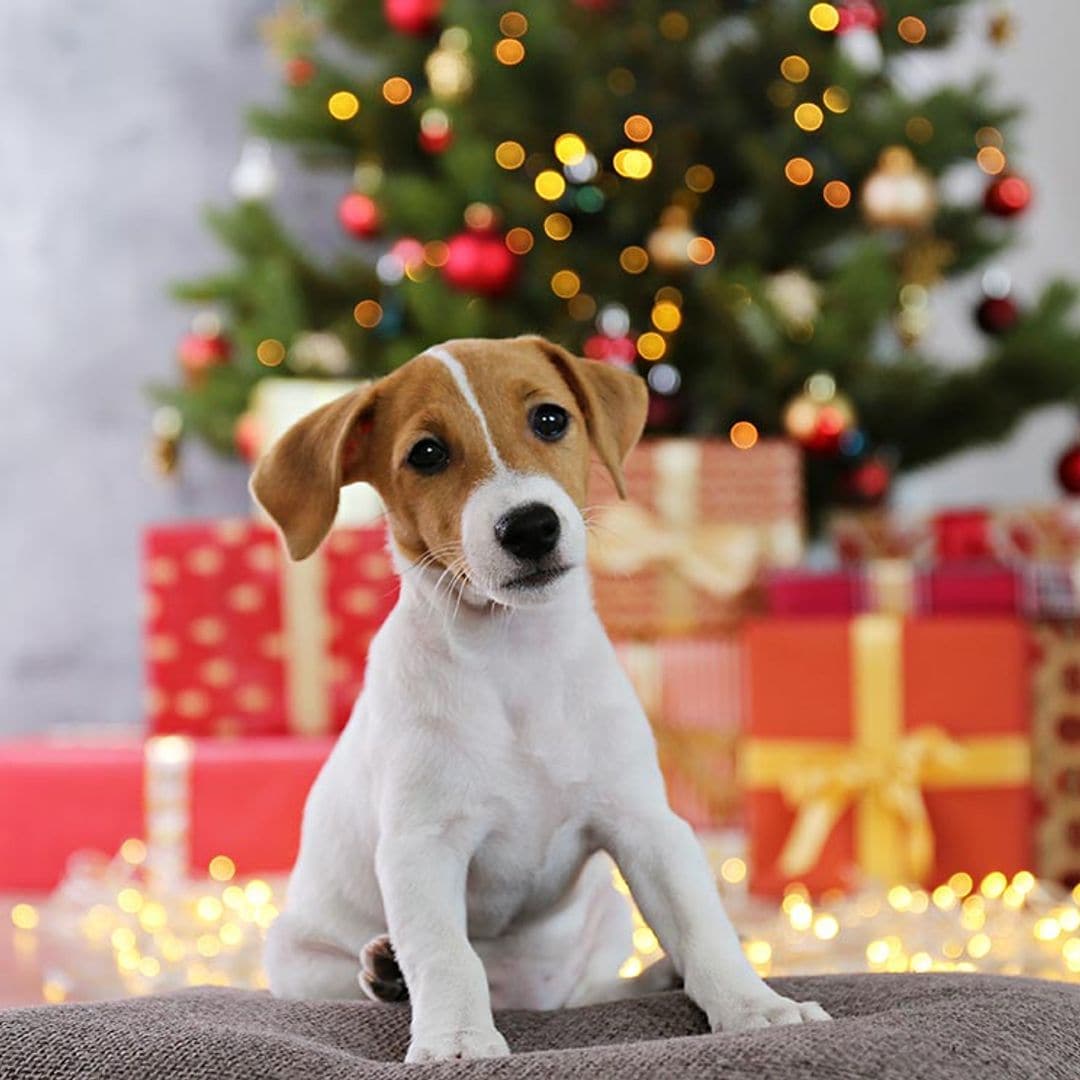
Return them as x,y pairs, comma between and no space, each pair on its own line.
239,640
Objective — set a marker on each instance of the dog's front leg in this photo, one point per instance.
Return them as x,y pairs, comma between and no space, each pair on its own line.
423,888
671,882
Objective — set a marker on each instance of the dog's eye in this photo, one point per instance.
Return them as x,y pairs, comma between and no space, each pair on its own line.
549,422
429,456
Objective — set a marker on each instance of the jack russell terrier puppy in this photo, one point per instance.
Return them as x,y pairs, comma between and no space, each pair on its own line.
453,845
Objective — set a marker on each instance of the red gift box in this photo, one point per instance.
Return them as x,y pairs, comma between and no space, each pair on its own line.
691,690
886,748
191,799
240,640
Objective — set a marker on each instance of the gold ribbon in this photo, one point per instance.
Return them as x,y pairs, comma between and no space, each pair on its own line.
305,644
167,761
891,585
882,773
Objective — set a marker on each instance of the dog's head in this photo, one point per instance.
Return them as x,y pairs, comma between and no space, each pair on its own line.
480,450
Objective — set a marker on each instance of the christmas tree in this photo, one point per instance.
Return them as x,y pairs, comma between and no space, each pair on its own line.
746,201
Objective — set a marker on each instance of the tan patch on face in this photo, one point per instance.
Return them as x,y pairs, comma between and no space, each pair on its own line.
509,378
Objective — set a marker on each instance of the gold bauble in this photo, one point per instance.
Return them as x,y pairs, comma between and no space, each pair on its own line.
449,73
668,243
899,194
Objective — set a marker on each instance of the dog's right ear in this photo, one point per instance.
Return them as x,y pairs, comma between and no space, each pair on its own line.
297,481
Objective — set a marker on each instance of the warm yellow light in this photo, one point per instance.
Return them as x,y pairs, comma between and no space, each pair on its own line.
991,160
519,240
989,136
743,435
570,148
799,171
911,29
509,51
921,961
257,891
1047,929
53,992
630,968
699,178
668,292
133,851
961,883
674,25
836,99
558,226
24,916
801,916
824,17
877,952
1024,880
397,90
479,215
795,69
733,870
651,346
758,952
645,940
513,24
436,253
565,283
550,185
222,868
208,945
343,105
634,259
270,352
979,946
634,164
510,154
638,128
701,250
129,900
899,897
944,898
208,908
122,939
809,116
826,927
231,934
919,129
153,916
993,885
368,314
581,307
837,194
666,316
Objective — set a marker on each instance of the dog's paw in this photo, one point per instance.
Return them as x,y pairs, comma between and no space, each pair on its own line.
761,1009
380,976
459,1045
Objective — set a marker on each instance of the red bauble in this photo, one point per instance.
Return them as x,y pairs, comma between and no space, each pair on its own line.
479,261
248,436
859,15
996,314
436,142
869,481
831,424
359,215
1068,469
416,17
200,352
1006,196
299,71
621,351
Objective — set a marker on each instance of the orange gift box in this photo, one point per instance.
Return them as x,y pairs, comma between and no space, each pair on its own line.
242,641
684,552
886,748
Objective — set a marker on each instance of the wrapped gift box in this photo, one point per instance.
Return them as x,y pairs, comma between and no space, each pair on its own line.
1047,533
886,748
691,689
190,799
240,640
684,553
860,535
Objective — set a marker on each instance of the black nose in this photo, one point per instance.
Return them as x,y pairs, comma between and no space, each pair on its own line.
529,531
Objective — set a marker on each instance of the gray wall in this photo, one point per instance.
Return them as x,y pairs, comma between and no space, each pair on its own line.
117,122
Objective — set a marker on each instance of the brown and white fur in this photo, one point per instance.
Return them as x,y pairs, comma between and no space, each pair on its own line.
453,845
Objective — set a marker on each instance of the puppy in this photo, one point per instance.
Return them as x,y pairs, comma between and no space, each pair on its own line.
453,845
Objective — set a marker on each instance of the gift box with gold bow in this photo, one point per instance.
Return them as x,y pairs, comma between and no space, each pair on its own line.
885,748
242,641
691,689
684,553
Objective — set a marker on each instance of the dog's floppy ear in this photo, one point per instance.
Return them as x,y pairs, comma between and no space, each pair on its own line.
298,479
614,402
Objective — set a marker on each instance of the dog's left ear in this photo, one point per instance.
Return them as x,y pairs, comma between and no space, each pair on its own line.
297,481
614,402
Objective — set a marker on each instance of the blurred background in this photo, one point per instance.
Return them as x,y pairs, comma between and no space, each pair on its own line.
839,239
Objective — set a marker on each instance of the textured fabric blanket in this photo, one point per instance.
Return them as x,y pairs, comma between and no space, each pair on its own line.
932,1026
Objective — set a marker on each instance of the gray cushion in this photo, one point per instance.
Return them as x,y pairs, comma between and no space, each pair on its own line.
940,1026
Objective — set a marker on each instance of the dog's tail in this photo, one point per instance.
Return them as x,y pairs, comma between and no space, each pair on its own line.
380,976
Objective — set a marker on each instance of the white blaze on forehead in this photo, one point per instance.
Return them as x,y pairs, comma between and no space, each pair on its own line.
461,379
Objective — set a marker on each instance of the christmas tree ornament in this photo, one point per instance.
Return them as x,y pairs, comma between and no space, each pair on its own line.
899,194
869,481
861,48
997,314
203,348
819,418
1007,195
359,215
620,351
858,15
436,134
166,427
669,244
299,71
795,298
248,436
449,68
254,179
478,261
1001,26
414,17
318,352
613,320
1068,469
